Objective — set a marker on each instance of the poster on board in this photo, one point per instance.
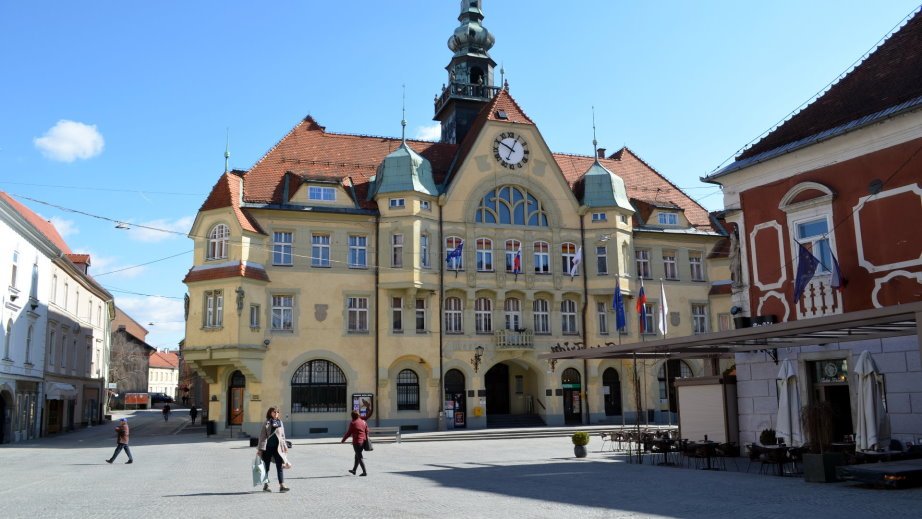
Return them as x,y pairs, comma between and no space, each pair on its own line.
364,404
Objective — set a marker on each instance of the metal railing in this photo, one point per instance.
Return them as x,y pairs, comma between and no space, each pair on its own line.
466,90
514,340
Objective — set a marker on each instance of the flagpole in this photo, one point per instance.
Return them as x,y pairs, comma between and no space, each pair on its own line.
664,309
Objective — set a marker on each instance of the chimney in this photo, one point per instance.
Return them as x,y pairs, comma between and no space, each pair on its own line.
601,153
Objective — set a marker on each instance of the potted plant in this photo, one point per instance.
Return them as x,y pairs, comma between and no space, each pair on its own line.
580,440
819,462
767,437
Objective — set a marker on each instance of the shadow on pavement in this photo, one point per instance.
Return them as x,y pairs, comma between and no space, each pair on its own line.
206,494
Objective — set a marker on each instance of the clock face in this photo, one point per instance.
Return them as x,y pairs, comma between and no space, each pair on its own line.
510,150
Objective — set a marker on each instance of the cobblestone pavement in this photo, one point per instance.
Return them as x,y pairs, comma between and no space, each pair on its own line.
191,475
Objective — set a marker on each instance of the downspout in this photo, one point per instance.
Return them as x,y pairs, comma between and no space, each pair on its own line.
442,425
377,308
585,385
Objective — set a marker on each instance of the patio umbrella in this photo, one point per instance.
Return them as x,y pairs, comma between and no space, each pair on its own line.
870,408
788,422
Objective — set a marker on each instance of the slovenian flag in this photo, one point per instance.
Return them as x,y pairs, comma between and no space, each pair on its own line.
517,261
642,309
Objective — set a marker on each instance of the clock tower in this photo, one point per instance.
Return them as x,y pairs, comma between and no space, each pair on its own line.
470,74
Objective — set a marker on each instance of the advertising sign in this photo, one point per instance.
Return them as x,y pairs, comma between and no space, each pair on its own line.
364,404
135,398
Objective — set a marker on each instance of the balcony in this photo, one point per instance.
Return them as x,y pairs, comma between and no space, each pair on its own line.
465,91
514,340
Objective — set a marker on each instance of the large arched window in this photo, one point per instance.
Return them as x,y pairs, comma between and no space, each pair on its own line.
511,205
407,391
318,386
217,242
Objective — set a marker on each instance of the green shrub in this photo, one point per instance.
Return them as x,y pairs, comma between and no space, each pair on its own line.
580,438
768,437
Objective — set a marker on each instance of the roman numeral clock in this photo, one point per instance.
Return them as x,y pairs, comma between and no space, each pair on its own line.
510,150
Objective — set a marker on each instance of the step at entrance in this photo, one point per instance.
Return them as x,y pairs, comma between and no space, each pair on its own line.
512,421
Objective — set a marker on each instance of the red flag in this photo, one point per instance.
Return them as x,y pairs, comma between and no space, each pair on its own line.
642,309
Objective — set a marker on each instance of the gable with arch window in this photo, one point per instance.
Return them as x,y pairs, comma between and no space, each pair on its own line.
218,241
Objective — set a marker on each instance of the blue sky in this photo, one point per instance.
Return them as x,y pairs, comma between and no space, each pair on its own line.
118,111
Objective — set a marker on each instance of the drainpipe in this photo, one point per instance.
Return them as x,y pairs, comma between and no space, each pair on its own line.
377,308
443,425
585,386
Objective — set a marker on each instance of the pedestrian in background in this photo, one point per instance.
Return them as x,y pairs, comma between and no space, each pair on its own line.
358,430
166,412
272,446
193,412
121,442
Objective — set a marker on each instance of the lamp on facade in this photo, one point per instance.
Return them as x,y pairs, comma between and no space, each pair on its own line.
475,361
552,364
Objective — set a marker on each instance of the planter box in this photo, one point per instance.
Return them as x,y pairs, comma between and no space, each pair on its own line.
821,468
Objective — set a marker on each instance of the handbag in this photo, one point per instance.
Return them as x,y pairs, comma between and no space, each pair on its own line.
366,445
260,476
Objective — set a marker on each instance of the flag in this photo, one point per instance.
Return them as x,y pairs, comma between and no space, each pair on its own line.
837,280
517,261
574,263
806,267
454,254
663,310
642,308
618,306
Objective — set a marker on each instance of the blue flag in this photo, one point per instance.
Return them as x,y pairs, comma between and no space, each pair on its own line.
454,254
806,267
618,306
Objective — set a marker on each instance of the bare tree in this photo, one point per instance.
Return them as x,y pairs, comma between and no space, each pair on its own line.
129,360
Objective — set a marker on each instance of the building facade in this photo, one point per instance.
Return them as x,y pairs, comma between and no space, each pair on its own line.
841,181
420,281
129,358
164,374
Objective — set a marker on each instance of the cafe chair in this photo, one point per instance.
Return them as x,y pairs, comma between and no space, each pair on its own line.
727,450
606,438
772,460
755,452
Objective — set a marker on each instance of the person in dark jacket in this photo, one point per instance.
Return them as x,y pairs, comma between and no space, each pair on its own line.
121,442
193,412
358,430
273,446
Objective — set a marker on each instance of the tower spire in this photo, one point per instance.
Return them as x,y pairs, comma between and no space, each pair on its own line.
595,143
226,148
403,119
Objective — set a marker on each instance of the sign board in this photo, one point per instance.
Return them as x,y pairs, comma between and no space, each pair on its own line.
364,404
459,418
136,399
111,385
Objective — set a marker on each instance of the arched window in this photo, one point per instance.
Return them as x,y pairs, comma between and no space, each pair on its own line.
453,315
483,315
318,386
511,205
612,381
677,369
568,316
407,391
567,256
217,242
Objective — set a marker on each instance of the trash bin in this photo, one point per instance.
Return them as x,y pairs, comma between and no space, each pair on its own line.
211,427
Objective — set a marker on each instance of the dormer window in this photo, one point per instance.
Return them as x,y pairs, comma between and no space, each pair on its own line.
599,217
323,194
397,203
668,219
425,205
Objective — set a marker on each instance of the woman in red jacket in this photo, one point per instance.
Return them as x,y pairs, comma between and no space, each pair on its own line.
358,429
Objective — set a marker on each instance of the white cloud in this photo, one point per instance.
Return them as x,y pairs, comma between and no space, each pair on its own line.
65,227
180,225
167,315
68,141
101,264
433,132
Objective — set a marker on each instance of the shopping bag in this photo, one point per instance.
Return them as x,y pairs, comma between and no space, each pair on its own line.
259,472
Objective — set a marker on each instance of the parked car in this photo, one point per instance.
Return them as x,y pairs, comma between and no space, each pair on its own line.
160,398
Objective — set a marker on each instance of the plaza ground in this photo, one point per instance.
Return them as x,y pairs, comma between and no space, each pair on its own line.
179,473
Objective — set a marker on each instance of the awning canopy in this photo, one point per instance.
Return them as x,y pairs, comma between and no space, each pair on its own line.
877,323
59,391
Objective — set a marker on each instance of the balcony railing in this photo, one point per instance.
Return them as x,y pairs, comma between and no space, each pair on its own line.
514,340
465,90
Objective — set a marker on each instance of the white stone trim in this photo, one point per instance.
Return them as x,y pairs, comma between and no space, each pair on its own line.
879,283
779,295
864,262
755,262
786,205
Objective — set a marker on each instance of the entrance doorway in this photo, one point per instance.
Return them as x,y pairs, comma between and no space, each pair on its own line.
235,390
3,419
830,384
611,387
455,406
572,403
497,386
671,370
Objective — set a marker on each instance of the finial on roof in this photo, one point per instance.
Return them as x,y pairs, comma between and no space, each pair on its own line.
403,119
226,148
595,143
502,74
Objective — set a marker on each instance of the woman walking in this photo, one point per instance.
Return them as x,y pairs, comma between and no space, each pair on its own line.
272,446
358,429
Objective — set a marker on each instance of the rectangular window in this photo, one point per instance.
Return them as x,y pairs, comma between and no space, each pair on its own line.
568,317
397,314
63,351
358,251
283,313
358,314
695,264
513,248
668,219
642,260
397,203
723,322
254,316
14,268
542,318
602,310
601,260
649,324
424,251
98,315
320,250
420,315
599,217
484,255
54,288
814,235
567,255
483,315
699,318
214,309
52,347
454,258
670,267
425,205
325,194
623,218
453,315
281,248
542,258
397,250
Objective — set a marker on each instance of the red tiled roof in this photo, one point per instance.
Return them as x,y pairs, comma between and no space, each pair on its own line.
641,181
239,270
164,360
226,193
43,226
309,151
131,326
79,258
889,76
